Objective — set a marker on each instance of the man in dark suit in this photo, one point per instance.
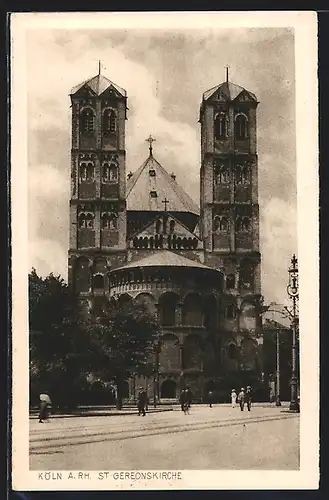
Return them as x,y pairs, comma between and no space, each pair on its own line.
141,401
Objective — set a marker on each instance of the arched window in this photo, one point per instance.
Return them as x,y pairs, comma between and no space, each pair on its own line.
241,127
245,224
109,121
210,312
238,224
110,172
158,226
98,282
109,221
216,222
82,275
168,389
230,311
87,121
86,171
223,175
172,226
223,224
220,126
246,274
86,220
167,305
230,281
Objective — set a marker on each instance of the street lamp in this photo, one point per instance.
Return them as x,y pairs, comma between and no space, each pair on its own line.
156,395
292,290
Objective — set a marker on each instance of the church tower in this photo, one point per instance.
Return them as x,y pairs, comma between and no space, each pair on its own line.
98,185
229,209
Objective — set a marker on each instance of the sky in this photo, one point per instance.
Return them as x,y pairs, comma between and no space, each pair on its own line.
164,73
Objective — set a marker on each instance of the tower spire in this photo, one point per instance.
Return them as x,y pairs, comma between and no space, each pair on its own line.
227,67
99,67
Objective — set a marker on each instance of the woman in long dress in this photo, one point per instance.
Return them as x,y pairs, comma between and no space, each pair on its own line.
44,408
233,398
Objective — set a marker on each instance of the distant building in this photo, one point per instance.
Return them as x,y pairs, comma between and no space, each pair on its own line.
141,236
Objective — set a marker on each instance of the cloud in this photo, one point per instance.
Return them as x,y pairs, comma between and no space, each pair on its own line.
278,243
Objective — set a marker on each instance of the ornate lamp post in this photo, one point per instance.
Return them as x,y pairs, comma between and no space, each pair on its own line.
156,395
292,290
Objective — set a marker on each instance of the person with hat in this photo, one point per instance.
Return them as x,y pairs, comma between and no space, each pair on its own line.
44,408
241,398
248,397
141,401
234,397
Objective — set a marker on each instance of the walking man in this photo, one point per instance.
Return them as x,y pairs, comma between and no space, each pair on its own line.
141,401
210,398
182,399
241,398
248,397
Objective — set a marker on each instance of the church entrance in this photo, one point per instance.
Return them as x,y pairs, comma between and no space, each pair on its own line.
168,389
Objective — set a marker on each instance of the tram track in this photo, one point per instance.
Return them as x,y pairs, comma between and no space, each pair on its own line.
148,430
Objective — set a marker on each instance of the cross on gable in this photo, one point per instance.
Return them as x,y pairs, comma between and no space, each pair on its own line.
150,140
165,201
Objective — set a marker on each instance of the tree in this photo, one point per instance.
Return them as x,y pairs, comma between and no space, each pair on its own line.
123,342
66,345
59,346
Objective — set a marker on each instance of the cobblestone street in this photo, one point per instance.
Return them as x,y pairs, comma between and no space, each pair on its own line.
208,438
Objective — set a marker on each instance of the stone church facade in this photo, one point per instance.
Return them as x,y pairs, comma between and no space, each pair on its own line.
141,237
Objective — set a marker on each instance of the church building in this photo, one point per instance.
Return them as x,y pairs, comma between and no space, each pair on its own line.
141,237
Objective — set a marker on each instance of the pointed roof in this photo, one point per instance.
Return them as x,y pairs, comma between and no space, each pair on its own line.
98,84
228,89
165,258
142,184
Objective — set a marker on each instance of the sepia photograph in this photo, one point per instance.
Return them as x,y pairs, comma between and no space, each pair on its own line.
160,306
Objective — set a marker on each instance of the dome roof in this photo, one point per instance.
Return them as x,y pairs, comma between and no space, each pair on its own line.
151,184
98,84
229,90
165,258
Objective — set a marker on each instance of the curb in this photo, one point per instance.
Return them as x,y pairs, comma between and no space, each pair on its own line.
99,414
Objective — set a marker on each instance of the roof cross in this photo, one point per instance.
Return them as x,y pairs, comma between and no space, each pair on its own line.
150,140
165,201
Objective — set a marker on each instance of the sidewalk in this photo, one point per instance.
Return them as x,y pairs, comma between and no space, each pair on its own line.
109,411
98,412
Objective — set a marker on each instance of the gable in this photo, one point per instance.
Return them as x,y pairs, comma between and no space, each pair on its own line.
111,91
168,230
244,96
85,92
220,96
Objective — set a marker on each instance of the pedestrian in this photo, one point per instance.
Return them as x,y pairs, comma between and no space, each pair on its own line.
44,407
141,401
182,400
188,396
234,397
210,398
248,396
241,398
